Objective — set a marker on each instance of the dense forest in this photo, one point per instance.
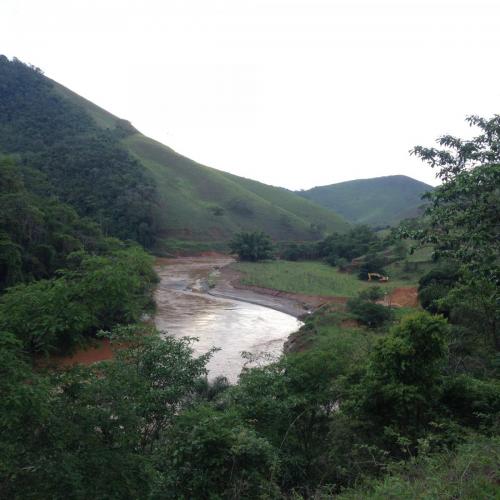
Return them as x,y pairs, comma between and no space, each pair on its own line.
379,403
75,160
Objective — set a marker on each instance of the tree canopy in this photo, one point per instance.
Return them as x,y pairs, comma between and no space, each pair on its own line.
253,246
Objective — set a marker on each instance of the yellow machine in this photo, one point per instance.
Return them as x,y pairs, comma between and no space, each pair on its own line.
382,279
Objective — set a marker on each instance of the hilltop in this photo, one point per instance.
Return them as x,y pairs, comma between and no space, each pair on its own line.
379,201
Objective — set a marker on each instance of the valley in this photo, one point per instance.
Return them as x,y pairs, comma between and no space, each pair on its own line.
169,330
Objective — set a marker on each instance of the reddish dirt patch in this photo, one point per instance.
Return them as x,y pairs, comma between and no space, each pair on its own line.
100,351
404,297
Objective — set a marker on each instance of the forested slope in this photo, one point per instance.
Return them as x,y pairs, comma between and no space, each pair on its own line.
79,162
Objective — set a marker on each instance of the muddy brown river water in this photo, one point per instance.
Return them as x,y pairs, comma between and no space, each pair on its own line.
184,308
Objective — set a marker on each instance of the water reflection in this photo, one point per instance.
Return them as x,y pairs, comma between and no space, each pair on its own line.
230,325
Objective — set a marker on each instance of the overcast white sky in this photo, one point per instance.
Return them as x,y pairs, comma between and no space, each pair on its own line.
295,93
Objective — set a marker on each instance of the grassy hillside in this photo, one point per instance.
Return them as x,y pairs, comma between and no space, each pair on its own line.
379,201
199,203
204,203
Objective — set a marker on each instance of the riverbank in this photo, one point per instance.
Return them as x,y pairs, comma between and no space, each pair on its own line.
245,330
214,275
229,284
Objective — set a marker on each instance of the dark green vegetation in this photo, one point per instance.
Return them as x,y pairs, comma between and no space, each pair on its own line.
92,294
378,202
469,472
252,246
73,158
37,233
353,405
62,279
463,226
366,311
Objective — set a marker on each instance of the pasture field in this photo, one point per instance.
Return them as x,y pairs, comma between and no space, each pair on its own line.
310,278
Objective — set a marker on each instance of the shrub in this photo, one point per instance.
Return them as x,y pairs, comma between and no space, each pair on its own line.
372,294
368,313
252,246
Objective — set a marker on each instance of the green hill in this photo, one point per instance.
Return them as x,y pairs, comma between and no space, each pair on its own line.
380,201
132,185
203,203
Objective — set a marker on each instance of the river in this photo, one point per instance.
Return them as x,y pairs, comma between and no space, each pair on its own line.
185,308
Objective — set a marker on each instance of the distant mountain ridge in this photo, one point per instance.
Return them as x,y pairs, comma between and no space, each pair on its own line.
379,201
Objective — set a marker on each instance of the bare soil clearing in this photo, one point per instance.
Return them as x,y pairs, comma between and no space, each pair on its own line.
403,297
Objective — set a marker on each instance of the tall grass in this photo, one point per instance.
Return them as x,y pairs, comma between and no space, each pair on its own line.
311,278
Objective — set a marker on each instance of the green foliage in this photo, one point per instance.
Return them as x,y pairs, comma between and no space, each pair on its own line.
471,472
357,242
23,405
473,402
435,285
369,313
464,211
37,234
404,379
97,293
252,246
377,202
93,431
209,453
299,251
291,404
372,294
82,164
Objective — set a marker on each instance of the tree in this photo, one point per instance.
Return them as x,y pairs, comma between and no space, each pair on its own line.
435,285
404,377
98,292
464,211
214,454
357,242
369,313
252,246
92,431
